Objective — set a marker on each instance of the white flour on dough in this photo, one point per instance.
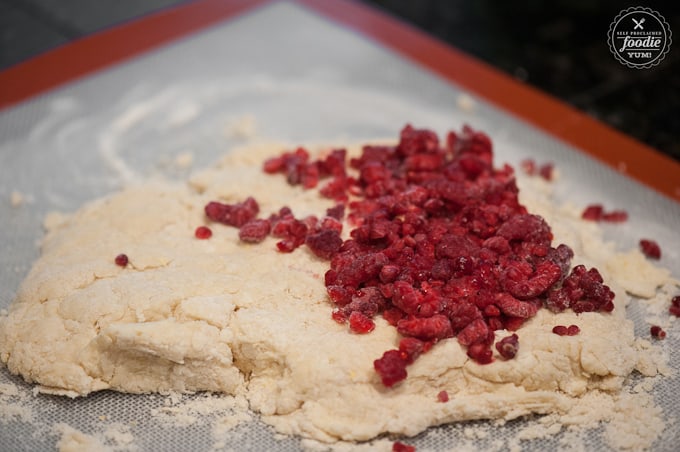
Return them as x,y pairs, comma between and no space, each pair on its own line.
220,315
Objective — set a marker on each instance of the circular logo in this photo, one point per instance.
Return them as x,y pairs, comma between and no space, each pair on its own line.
639,37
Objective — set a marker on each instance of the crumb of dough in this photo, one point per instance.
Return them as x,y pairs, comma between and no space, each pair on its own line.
196,316
115,437
72,440
14,404
182,411
242,128
184,160
466,103
119,435
16,198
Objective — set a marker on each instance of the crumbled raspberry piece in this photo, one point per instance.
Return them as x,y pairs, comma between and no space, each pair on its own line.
650,249
571,330
337,212
443,396
436,327
616,216
508,346
528,166
360,324
291,230
393,315
582,291
203,232
480,353
593,212
254,231
596,212
121,260
657,332
391,367
233,214
339,316
546,171
325,243
401,447
560,330
675,306
411,348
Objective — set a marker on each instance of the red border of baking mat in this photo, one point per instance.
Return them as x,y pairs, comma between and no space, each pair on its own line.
103,49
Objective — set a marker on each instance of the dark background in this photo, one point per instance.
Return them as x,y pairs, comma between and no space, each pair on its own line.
558,46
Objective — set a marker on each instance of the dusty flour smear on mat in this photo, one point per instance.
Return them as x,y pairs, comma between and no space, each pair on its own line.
219,315
114,438
15,403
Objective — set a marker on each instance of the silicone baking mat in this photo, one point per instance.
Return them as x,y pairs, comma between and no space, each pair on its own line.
294,72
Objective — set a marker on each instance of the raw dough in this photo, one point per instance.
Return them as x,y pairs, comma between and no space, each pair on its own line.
221,315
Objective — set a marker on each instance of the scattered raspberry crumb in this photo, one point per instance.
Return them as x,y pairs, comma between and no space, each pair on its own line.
675,306
531,168
547,171
254,231
657,332
401,447
593,212
360,324
615,216
650,249
528,166
232,214
443,396
571,330
122,260
508,346
391,367
596,212
203,232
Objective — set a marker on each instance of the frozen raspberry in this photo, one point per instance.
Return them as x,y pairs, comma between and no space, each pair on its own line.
657,332
593,212
508,346
233,214
573,330
436,327
391,367
560,330
443,396
675,306
121,260
203,232
596,212
339,316
401,447
546,171
480,353
325,243
337,212
650,249
615,216
528,166
360,324
411,348
254,231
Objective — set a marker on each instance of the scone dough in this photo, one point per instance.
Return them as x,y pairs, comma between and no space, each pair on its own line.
226,316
